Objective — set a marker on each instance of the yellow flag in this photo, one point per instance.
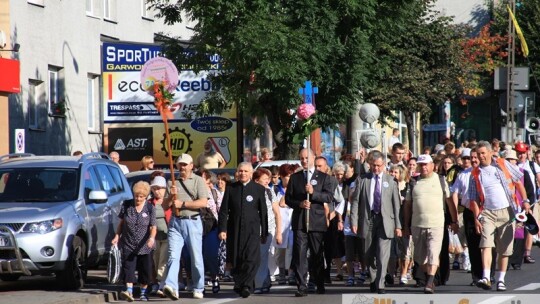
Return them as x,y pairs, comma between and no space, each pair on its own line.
524,47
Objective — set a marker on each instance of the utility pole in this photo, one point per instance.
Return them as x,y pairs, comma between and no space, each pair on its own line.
511,121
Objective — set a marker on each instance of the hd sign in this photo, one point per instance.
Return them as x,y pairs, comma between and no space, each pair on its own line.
127,107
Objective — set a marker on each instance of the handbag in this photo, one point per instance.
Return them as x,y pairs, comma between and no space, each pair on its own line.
114,265
454,244
208,219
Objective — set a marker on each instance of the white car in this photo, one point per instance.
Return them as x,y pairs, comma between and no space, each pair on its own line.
278,163
58,214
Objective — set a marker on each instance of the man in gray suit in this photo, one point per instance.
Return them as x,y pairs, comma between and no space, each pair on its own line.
375,207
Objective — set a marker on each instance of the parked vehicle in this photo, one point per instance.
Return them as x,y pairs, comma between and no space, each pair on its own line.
278,163
136,176
58,214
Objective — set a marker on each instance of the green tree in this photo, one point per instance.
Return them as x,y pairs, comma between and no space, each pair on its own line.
418,67
270,47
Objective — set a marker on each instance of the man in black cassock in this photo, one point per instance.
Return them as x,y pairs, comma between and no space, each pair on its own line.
243,222
320,188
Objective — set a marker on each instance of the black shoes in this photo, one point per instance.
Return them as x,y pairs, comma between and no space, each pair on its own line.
381,291
373,287
244,293
321,289
300,293
389,279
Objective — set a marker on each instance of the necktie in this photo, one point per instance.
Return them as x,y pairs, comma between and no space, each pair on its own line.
377,196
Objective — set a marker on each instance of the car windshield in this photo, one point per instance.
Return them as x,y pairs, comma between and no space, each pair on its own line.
38,185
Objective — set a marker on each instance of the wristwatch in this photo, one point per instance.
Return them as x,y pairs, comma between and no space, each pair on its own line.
526,201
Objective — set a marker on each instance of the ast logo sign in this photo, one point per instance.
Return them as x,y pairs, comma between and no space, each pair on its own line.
131,143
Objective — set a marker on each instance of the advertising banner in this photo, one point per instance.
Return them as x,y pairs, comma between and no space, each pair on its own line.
132,124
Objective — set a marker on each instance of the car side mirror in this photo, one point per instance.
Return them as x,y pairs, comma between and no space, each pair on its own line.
98,196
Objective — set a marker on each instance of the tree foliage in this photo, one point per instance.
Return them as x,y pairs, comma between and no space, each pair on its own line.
269,48
398,54
418,66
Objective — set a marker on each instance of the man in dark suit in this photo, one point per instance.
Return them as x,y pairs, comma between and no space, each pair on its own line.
375,206
243,222
308,220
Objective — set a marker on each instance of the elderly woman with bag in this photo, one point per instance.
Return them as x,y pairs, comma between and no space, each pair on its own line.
136,235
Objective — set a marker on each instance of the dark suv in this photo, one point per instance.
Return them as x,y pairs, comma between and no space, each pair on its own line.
58,214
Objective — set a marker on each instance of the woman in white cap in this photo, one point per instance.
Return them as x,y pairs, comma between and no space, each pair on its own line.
158,186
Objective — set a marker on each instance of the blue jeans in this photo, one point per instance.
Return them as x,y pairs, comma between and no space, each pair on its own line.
262,278
188,232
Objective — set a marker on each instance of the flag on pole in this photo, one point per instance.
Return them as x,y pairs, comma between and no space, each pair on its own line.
524,47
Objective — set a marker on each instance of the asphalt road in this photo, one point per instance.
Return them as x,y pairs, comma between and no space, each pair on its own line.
523,285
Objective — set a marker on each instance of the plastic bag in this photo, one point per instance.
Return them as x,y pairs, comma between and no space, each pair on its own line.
454,245
114,265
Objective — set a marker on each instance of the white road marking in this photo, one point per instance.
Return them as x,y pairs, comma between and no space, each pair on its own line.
531,286
497,299
225,300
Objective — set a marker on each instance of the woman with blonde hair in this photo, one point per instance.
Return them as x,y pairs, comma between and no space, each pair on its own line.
147,163
404,243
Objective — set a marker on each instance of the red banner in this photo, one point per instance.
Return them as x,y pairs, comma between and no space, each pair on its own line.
10,75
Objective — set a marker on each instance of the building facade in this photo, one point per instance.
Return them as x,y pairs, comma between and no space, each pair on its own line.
60,106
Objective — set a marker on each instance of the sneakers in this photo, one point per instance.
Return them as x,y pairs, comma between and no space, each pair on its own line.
484,283
215,286
125,295
160,294
143,298
455,265
170,293
429,289
403,281
528,260
198,295
350,282
501,286
292,280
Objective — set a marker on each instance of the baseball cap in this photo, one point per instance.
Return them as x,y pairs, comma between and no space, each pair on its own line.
184,158
521,147
159,181
424,159
466,152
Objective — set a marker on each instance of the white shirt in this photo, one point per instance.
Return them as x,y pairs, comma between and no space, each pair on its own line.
461,186
494,194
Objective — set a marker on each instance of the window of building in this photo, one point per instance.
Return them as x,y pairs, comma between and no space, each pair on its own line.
92,101
55,93
89,7
109,10
146,11
36,98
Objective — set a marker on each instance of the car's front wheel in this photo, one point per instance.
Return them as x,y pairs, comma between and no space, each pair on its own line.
74,274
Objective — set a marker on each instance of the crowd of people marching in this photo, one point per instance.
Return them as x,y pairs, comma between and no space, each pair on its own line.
383,218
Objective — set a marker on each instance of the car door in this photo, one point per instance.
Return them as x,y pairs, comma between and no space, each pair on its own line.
97,213
120,192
